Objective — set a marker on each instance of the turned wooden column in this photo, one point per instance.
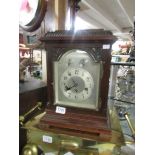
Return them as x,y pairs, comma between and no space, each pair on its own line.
65,10
61,7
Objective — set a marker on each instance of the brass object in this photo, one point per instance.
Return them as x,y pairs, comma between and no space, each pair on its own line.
81,151
126,115
117,134
129,142
30,149
71,145
58,141
62,143
23,117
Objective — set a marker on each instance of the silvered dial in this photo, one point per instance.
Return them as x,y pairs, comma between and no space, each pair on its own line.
76,80
76,84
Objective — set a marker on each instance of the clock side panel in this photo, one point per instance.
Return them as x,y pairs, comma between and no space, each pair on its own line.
104,86
50,79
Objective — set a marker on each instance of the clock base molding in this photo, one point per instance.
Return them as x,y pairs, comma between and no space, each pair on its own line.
73,124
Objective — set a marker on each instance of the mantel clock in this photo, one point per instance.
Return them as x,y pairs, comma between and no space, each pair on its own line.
78,70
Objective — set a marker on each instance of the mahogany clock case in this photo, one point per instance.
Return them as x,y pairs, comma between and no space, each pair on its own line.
97,43
91,41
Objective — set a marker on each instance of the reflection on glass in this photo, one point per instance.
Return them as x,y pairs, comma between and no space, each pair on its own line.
122,88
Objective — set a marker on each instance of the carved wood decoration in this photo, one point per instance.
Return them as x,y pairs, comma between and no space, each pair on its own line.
81,122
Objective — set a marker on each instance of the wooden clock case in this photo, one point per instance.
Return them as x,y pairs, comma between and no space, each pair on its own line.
85,123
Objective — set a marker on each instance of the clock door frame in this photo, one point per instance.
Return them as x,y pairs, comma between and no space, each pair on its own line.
104,85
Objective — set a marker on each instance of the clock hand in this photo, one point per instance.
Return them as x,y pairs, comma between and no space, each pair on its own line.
68,88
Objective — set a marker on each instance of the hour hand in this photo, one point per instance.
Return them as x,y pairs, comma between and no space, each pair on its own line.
69,88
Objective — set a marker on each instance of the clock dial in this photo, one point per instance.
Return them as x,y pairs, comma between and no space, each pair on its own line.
76,84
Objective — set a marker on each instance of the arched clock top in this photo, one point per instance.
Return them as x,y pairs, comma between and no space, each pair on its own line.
96,53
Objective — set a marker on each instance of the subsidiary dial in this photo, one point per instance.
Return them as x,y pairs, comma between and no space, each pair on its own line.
76,84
